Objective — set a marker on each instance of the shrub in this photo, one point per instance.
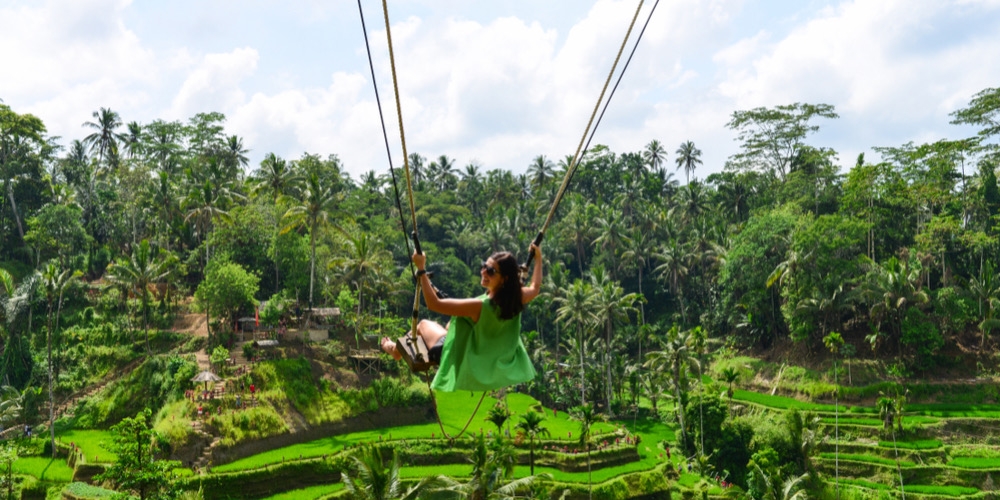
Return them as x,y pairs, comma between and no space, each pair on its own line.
157,380
253,423
78,490
924,338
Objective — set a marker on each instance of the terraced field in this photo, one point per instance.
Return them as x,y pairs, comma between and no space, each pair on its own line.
943,451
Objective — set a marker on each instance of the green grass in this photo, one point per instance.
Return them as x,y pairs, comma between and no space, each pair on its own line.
84,490
786,403
93,443
975,463
311,493
925,444
866,422
455,410
45,469
952,491
868,459
952,410
864,484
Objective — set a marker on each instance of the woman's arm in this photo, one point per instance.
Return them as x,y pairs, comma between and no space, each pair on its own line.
531,291
468,308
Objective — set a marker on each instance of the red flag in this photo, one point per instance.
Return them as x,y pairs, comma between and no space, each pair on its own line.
256,316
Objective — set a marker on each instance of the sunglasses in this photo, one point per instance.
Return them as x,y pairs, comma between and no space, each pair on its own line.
490,270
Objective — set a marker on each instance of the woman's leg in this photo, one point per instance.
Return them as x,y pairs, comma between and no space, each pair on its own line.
429,330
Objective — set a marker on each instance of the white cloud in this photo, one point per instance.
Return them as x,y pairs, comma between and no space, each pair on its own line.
894,65
214,85
63,60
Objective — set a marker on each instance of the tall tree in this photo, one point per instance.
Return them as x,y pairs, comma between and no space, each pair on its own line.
654,155
55,280
688,158
22,141
770,137
277,179
531,425
587,417
369,479
105,137
541,171
674,359
834,342
611,306
576,312
137,470
146,267
316,206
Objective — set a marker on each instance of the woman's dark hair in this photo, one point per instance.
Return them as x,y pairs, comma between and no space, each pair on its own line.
508,298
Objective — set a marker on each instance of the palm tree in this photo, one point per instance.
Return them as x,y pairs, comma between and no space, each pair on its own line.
499,415
531,426
638,251
577,226
611,307
675,259
15,358
370,480
315,207
10,405
235,154
275,178
675,358
541,171
654,155
441,173
144,268
771,487
730,376
688,158
652,386
611,235
890,289
585,414
834,342
133,139
164,147
576,311
361,265
55,281
491,465
104,138
986,290
417,172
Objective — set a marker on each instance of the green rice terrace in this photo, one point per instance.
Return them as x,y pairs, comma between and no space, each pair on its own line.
296,435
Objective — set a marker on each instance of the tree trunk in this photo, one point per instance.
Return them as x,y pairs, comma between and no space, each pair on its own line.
583,380
52,404
13,206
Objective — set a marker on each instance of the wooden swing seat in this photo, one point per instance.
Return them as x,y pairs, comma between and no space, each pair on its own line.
415,353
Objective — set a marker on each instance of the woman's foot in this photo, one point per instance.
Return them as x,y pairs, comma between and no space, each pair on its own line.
390,348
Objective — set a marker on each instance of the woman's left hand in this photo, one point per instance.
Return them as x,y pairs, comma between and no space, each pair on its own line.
419,260
535,250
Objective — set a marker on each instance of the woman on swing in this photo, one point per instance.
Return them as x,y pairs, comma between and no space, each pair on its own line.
481,349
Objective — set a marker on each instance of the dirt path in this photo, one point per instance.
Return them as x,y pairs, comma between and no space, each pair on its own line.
191,323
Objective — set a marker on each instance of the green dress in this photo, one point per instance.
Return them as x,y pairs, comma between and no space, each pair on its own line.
483,356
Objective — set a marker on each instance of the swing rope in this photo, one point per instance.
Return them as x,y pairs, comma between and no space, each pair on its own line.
411,339
577,156
591,129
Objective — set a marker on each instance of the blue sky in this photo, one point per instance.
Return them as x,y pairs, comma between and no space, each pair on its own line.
500,82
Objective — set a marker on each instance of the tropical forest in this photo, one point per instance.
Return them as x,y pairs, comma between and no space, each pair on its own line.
178,322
